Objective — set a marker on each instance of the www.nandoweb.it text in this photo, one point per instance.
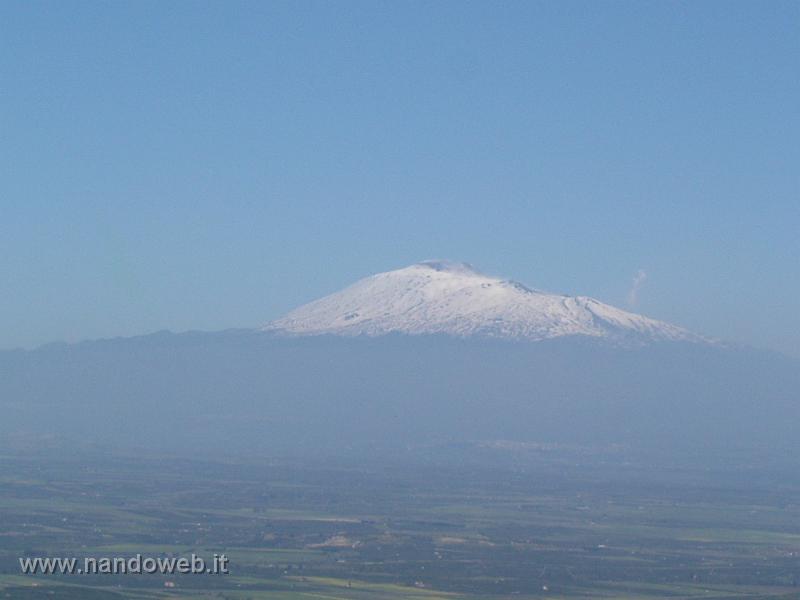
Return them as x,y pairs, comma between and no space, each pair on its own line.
131,565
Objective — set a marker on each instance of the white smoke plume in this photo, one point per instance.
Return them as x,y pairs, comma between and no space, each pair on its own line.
636,285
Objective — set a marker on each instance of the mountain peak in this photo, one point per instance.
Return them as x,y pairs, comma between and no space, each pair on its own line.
449,266
453,298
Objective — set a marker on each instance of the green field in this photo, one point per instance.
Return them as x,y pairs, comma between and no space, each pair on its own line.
564,527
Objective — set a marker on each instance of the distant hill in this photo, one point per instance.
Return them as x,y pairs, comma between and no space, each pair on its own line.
265,392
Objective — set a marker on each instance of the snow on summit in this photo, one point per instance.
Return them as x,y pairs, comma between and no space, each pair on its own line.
453,298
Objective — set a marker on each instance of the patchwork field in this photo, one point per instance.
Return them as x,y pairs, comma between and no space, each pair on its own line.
556,527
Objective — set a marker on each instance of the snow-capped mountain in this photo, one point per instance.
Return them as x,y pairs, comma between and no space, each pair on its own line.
452,298
357,392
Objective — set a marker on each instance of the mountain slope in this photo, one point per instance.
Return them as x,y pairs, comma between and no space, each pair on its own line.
250,392
444,297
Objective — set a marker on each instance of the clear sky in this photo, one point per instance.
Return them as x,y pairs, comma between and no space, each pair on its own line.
205,165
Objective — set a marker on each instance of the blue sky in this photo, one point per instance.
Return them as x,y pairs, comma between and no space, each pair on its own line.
212,165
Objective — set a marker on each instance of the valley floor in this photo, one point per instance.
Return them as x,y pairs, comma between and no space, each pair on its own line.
554,526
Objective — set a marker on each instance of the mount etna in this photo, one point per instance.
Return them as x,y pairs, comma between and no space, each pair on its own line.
430,356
